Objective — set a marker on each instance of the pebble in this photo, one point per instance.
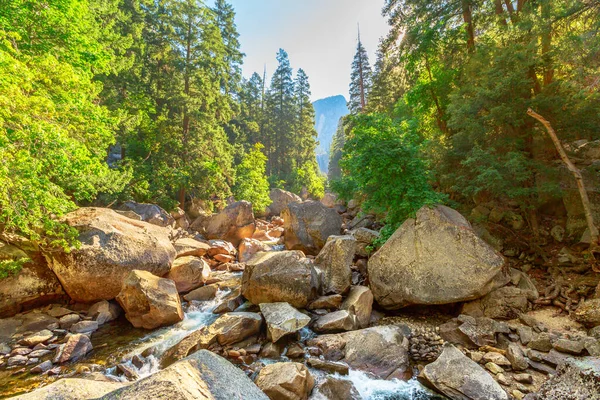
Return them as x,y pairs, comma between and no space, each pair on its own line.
523,378
493,368
501,378
518,395
41,368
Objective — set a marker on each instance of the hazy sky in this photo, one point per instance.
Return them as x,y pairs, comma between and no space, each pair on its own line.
319,36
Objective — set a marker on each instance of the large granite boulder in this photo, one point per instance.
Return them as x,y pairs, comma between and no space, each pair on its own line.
434,259
308,225
150,213
34,285
460,378
203,375
149,301
334,262
381,351
234,327
280,200
285,381
234,223
282,319
72,389
111,247
285,276
189,273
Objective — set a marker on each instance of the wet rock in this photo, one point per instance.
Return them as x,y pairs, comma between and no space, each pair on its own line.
285,276
188,273
381,351
236,326
360,304
282,319
202,375
456,376
332,302
149,301
76,347
104,311
36,338
337,321
435,259
111,247
295,350
308,225
280,200
271,350
198,340
329,366
588,313
190,247
337,389
72,389
127,371
84,327
39,353
204,293
334,262
285,381
20,351
230,302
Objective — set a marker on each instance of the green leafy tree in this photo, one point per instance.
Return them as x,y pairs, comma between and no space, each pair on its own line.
252,184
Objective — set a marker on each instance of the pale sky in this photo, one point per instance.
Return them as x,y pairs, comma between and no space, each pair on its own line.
319,36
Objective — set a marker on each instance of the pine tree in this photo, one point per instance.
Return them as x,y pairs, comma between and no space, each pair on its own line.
281,116
225,20
305,134
360,80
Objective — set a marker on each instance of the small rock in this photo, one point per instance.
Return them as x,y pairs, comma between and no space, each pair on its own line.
20,351
36,338
16,360
84,327
67,321
127,371
517,394
541,342
516,357
41,368
523,378
493,368
329,366
501,379
77,346
569,346
295,350
525,334
39,353
496,358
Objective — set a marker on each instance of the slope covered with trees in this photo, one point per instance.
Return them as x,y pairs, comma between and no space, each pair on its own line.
456,79
159,84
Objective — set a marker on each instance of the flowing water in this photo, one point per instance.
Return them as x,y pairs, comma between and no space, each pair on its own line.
117,342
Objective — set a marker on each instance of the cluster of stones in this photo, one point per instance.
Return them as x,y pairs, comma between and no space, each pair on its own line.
426,344
42,340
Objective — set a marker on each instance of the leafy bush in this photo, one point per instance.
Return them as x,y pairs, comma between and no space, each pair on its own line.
251,181
383,164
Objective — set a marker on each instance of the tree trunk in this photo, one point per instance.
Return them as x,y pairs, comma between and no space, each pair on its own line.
576,174
468,19
500,11
182,198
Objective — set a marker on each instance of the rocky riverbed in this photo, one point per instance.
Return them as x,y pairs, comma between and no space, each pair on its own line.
292,306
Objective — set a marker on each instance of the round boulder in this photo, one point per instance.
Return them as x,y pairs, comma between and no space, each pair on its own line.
308,225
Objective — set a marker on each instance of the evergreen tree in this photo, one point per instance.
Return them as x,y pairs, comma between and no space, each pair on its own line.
305,134
335,153
360,80
281,113
225,20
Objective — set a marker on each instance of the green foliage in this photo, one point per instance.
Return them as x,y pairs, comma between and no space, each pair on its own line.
384,165
360,80
252,184
53,132
308,176
11,267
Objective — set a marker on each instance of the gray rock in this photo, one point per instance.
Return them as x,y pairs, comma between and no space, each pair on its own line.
204,293
575,379
203,375
36,338
569,346
280,200
337,389
282,319
16,360
285,276
541,342
285,380
525,334
337,321
334,262
76,347
360,304
41,368
435,259
68,320
308,225
84,327
332,302
516,357
460,378
381,351
72,389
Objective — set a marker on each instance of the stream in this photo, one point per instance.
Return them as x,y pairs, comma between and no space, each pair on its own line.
118,342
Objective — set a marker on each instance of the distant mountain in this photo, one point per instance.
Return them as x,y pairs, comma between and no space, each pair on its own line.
327,114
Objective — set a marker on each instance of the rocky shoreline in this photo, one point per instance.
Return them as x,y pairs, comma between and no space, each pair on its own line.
299,303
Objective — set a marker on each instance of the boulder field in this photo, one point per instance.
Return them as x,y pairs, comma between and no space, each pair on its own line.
285,321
